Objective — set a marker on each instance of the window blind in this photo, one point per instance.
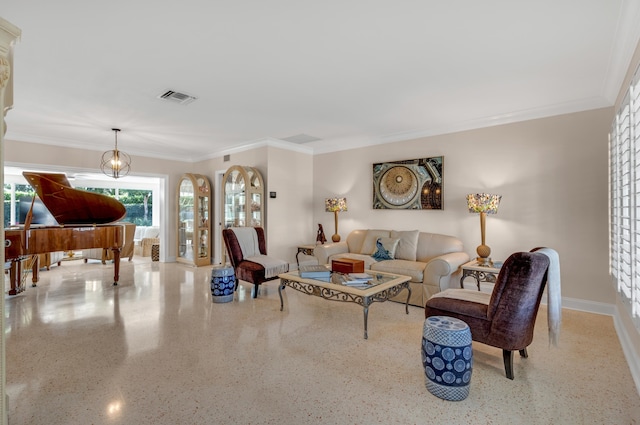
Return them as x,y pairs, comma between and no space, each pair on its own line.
624,199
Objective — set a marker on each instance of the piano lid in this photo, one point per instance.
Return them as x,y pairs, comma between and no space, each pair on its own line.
74,206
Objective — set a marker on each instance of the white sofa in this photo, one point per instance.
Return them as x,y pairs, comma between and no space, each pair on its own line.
432,260
144,238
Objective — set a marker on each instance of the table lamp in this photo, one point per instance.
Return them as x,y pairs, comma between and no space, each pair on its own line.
484,204
335,205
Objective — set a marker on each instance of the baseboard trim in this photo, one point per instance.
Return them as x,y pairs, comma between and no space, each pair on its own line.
587,306
633,359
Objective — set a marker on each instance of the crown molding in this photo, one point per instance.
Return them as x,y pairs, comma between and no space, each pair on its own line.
334,145
353,142
624,45
267,141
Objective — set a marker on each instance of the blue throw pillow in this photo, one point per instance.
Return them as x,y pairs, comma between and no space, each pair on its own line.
385,249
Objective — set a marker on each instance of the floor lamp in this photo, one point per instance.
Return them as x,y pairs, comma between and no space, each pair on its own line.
335,205
484,204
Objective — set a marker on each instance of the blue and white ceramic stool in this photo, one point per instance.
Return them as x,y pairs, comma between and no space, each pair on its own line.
447,357
223,284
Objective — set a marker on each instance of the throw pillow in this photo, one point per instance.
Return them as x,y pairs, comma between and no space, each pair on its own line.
369,243
385,249
408,245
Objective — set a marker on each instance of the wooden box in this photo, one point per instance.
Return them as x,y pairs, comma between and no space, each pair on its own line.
347,265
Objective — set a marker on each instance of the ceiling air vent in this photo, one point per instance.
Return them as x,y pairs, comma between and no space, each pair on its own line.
177,97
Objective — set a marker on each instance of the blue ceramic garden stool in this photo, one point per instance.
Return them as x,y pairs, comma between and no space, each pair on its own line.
223,284
447,357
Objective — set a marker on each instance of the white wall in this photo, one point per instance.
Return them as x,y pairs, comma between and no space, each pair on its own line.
289,173
551,173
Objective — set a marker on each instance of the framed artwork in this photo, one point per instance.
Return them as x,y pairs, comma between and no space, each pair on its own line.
412,184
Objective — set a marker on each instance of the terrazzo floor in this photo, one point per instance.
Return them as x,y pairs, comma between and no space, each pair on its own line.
156,350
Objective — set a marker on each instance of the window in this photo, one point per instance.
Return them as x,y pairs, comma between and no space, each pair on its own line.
138,203
17,201
624,198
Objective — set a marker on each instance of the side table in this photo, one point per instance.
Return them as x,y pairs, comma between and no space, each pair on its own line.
480,273
306,250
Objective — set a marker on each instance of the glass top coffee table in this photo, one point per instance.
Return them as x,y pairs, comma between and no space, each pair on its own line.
380,288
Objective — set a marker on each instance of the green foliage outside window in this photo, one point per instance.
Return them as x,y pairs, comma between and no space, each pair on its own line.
138,203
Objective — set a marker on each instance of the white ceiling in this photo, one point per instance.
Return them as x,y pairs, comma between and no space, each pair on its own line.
350,72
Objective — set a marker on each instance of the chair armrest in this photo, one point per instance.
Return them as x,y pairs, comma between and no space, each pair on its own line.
439,270
323,252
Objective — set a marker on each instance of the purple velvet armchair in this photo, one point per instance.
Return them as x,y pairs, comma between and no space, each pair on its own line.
505,318
248,271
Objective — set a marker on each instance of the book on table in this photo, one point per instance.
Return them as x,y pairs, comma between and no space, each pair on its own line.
314,271
322,279
356,279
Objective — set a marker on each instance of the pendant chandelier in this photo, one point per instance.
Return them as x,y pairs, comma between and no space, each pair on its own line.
115,163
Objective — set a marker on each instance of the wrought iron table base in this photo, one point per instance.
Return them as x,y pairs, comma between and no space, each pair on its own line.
337,295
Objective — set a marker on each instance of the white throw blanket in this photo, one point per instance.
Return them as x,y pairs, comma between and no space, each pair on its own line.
554,295
464,295
272,266
248,241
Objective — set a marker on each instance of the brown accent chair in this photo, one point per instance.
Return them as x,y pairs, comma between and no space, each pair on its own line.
248,271
505,318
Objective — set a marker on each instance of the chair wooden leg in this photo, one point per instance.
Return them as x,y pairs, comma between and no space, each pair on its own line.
255,290
523,353
507,356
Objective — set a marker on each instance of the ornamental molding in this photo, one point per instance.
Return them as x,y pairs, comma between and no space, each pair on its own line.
5,72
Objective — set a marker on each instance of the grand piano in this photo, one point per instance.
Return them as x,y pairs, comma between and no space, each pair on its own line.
85,220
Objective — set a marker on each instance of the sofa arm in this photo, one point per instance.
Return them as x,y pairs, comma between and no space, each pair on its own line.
439,270
323,252
146,244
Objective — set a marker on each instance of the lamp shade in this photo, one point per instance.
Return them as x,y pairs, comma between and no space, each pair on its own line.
483,203
335,204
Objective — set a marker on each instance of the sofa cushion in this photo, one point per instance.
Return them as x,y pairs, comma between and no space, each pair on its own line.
385,249
408,245
369,244
151,232
139,233
432,245
414,269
